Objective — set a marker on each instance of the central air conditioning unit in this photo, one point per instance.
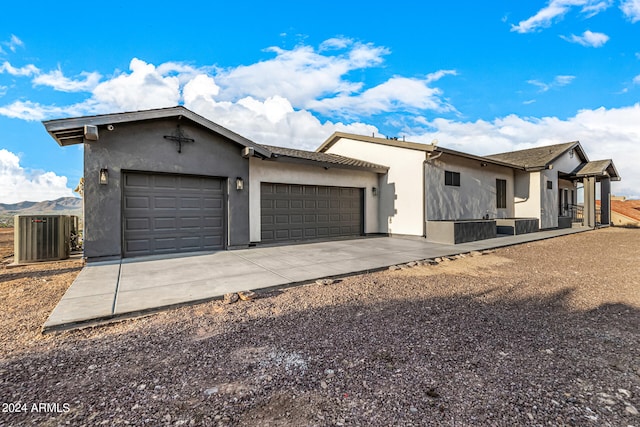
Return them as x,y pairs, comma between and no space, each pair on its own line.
44,237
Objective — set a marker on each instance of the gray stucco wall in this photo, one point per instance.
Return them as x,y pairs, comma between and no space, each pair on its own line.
141,146
476,195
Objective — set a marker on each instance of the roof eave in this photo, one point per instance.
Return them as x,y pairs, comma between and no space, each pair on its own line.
326,165
76,124
336,136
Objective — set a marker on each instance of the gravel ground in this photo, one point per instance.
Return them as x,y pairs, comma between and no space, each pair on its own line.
546,333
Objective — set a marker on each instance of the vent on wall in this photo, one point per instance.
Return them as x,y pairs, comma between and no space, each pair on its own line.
43,237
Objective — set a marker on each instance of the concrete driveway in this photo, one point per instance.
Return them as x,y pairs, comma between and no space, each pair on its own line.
105,291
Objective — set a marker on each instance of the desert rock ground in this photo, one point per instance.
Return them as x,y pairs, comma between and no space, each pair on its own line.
545,333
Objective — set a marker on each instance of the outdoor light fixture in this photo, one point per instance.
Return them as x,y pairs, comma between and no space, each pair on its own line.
374,191
483,165
104,176
239,183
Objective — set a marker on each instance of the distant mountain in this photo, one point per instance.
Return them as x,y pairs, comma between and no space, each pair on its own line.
61,206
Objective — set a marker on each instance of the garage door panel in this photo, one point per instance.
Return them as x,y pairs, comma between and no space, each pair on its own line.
324,211
162,202
137,180
165,181
172,213
137,224
165,224
136,202
212,203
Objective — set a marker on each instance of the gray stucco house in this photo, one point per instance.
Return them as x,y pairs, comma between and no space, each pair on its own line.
169,181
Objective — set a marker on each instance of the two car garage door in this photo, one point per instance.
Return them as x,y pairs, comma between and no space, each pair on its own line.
292,212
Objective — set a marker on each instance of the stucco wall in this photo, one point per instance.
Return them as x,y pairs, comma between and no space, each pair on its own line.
548,199
142,147
527,194
400,190
289,173
476,195
566,163
549,203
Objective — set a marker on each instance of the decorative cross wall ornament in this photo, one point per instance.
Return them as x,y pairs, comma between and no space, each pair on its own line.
179,138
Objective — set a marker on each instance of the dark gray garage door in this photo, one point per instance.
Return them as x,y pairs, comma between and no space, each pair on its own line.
291,212
172,213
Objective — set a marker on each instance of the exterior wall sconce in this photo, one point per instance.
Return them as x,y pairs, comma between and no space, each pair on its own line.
239,184
374,191
483,165
104,176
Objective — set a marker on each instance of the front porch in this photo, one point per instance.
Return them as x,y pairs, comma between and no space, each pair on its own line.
595,177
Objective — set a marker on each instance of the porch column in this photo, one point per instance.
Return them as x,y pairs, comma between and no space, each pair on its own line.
589,202
605,201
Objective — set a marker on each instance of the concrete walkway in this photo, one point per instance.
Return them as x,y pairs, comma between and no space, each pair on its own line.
134,286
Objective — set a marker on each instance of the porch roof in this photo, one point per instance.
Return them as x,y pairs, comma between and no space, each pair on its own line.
599,169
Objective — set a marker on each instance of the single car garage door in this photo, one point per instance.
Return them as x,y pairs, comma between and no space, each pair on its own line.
172,213
291,212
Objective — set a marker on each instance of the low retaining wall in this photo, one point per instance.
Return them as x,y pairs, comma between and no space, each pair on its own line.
565,222
516,226
460,231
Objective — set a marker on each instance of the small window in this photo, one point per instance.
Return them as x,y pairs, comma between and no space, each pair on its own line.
501,193
549,185
452,178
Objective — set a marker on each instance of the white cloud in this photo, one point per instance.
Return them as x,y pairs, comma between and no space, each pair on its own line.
200,87
588,39
142,89
636,80
301,75
27,70
564,80
397,93
18,184
274,108
631,9
335,43
13,43
556,9
58,81
558,81
32,111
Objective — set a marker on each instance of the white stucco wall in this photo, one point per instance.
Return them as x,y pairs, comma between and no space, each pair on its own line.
289,173
401,189
476,195
527,194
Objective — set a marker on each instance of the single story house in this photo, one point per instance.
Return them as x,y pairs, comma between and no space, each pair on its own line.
169,181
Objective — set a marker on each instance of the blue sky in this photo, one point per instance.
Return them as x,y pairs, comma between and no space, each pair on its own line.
481,77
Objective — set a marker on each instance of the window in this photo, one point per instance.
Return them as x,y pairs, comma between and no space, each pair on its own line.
452,178
549,185
501,193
